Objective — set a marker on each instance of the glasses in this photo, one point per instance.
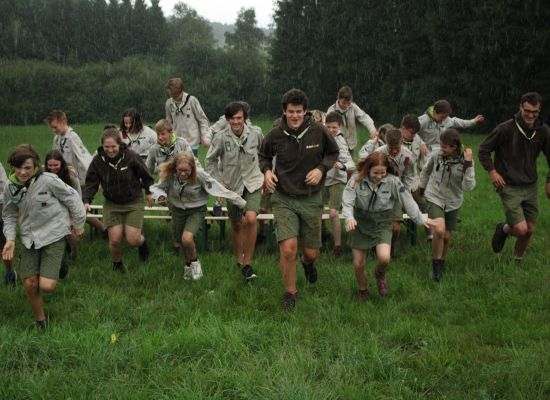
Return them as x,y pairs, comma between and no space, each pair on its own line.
186,171
532,112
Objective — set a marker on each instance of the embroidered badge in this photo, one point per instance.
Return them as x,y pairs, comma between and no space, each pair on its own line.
227,146
312,146
402,189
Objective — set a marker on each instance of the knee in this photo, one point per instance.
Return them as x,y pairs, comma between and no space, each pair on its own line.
522,230
288,252
115,241
187,239
359,264
134,240
48,287
448,236
309,255
333,213
31,284
439,231
383,260
396,228
250,219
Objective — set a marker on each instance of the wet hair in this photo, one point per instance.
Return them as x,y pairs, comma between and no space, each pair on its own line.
111,133
295,97
318,116
137,125
345,93
174,84
385,128
442,107
55,115
393,137
107,126
163,125
233,108
451,137
375,159
410,121
21,154
532,98
168,169
334,116
65,171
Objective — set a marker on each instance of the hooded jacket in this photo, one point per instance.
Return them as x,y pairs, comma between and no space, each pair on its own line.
122,178
292,153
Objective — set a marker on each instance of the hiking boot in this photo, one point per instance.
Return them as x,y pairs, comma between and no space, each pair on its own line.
499,237
119,267
437,269
64,270
338,251
382,283
248,272
187,272
196,270
289,301
143,251
10,278
42,324
363,295
310,272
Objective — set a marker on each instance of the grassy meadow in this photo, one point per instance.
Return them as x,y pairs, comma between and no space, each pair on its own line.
481,333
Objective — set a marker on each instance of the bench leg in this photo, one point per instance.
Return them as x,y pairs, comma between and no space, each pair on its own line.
203,240
412,232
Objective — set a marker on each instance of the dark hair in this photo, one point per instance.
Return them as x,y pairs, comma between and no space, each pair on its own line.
410,121
111,133
451,137
137,125
333,116
233,108
442,107
55,115
393,137
374,159
295,97
532,98
21,154
64,172
345,93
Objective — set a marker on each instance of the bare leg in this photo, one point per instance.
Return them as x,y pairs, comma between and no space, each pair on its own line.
250,231
359,262
33,295
287,263
336,227
115,242
237,233
438,240
188,246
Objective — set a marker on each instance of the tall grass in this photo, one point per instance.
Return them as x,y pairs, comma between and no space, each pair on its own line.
482,333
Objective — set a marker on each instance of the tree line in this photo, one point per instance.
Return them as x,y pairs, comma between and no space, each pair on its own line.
95,58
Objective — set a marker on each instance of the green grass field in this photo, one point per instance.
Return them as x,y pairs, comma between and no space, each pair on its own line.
482,333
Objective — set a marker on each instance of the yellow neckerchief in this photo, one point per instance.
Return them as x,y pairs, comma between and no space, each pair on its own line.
523,132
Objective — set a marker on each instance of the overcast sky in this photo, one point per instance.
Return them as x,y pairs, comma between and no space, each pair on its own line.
225,11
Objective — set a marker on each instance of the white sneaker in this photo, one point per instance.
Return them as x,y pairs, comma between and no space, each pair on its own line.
196,270
188,272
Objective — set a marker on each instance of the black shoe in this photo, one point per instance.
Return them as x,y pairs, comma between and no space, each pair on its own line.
248,272
438,266
10,278
42,325
499,238
64,270
310,271
119,267
143,251
289,301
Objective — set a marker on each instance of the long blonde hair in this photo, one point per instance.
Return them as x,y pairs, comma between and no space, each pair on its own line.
168,169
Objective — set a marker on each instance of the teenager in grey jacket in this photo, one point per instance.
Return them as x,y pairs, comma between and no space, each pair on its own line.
68,142
232,159
44,206
10,276
367,204
444,178
168,145
350,113
185,188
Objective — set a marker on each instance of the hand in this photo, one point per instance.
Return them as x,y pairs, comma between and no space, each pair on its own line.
468,154
497,179
479,119
423,150
548,190
162,200
338,165
374,134
313,177
206,142
429,223
351,224
270,181
78,232
149,200
7,251
87,207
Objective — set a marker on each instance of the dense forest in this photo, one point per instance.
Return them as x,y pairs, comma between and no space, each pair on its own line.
95,58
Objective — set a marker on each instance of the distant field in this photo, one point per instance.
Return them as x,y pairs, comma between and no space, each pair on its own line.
482,333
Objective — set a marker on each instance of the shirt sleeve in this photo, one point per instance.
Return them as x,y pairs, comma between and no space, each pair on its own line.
92,184
211,161
488,146
70,199
364,119
216,189
201,118
426,172
348,198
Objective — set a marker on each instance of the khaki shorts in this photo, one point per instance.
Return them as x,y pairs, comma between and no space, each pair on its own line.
298,216
130,214
189,220
45,261
451,217
265,202
252,204
520,203
332,195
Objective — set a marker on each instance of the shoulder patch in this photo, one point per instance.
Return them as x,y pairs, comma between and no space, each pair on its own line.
402,189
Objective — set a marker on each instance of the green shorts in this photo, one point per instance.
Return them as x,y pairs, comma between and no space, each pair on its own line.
372,228
188,220
130,214
520,203
45,261
265,201
332,195
252,204
397,212
451,217
298,216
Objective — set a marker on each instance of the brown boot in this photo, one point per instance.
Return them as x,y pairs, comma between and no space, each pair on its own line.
382,282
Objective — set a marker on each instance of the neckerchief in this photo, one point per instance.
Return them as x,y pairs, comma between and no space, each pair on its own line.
240,141
116,164
523,132
61,144
17,189
374,193
168,150
178,107
299,137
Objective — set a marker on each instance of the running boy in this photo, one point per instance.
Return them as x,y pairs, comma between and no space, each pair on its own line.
167,146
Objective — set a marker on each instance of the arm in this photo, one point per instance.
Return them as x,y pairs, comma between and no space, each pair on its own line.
488,146
10,214
344,157
168,111
151,161
201,118
365,120
426,172
70,199
348,203
216,189
213,156
92,184
469,179
465,123
159,190
408,174
81,153
399,191
144,176
330,155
